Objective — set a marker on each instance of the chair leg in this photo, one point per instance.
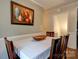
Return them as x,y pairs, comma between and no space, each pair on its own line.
60,57
64,55
17,57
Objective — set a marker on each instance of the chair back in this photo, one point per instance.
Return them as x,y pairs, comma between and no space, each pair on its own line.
51,34
55,51
64,42
10,49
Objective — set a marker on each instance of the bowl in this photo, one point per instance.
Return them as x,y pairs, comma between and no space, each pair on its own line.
39,37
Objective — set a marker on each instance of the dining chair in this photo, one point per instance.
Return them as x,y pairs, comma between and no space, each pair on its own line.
10,49
55,51
64,43
51,34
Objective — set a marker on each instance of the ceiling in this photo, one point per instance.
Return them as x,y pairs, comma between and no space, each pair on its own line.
46,4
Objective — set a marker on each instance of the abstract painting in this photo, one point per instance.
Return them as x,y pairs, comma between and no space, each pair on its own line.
21,14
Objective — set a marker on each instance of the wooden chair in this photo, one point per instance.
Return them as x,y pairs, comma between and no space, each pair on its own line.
10,49
64,44
51,34
55,52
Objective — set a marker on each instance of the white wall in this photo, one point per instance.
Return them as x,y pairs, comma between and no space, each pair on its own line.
69,18
60,23
72,28
8,29
72,40
72,20
47,22
58,10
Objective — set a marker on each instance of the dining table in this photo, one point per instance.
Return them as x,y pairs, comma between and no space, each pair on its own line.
29,48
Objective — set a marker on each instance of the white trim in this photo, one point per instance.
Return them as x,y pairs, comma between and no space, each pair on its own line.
37,3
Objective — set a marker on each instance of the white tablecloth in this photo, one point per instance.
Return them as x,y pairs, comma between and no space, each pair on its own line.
31,49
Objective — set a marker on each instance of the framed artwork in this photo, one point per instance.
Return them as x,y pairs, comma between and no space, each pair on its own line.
21,14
